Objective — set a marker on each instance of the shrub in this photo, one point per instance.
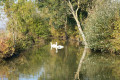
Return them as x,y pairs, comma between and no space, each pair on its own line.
99,25
115,41
6,46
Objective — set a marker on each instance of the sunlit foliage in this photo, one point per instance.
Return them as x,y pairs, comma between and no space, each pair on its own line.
99,25
26,21
115,41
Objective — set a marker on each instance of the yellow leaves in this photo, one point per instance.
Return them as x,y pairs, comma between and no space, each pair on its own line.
116,36
117,24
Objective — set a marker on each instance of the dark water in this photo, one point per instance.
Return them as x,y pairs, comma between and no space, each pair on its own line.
42,63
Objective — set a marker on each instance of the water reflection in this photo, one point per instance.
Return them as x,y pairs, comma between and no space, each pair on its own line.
80,63
41,63
101,67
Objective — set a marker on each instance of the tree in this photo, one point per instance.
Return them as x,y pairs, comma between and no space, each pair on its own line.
75,15
26,21
58,12
55,11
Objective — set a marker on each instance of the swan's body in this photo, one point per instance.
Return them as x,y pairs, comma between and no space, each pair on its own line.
56,46
60,46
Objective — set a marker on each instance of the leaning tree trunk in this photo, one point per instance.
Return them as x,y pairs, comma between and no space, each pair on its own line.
75,15
81,31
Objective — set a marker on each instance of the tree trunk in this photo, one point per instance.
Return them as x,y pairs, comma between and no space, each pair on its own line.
75,15
81,32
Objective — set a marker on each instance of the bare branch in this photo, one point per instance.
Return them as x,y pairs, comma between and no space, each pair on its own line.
71,7
78,8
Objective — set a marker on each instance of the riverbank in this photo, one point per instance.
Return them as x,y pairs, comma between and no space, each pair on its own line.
8,48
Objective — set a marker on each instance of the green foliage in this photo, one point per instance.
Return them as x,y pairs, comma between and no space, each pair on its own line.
26,21
27,25
39,19
98,25
23,44
115,41
56,13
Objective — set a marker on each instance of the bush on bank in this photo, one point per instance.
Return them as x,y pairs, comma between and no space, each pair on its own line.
102,26
115,37
6,46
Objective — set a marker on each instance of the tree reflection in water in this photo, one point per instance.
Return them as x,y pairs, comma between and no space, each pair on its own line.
41,63
80,63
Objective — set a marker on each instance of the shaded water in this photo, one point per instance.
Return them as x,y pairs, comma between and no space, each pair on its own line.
42,63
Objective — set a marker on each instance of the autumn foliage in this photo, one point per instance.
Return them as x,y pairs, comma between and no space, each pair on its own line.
6,46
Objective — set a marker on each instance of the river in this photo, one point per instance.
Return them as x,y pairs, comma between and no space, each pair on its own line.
42,63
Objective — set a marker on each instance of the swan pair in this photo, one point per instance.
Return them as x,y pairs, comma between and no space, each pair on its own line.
56,46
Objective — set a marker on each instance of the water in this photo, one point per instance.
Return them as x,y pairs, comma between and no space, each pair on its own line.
42,63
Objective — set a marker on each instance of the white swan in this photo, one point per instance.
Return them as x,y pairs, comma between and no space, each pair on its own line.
56,46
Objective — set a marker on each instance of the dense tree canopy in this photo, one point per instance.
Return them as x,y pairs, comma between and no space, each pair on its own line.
99,20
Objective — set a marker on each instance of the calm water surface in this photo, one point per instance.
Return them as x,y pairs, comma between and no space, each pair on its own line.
42,63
